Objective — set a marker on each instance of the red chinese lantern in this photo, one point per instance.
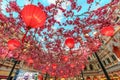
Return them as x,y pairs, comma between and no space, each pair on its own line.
47,68
65,58
33,16
72,65
43,71
13,44
54,66
52,74
30,61
107,31
83,66
69,42
61,71
40,77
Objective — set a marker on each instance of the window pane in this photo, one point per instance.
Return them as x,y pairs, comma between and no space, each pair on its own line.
104,63
113,57
108,60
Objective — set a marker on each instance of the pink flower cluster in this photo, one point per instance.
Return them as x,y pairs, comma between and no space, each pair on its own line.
44,48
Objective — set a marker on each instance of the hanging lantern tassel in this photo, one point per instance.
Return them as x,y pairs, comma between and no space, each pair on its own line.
23,39
29,61
40,77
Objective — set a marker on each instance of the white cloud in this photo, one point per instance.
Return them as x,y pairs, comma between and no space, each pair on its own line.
27,2
95,7
59,16
51,1
66,4
42,39
54,28
3,5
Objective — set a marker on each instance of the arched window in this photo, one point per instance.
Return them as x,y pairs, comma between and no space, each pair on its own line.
108,60
113,57
91,67
88,58
85,68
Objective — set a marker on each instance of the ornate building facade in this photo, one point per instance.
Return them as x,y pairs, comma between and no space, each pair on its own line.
109,55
